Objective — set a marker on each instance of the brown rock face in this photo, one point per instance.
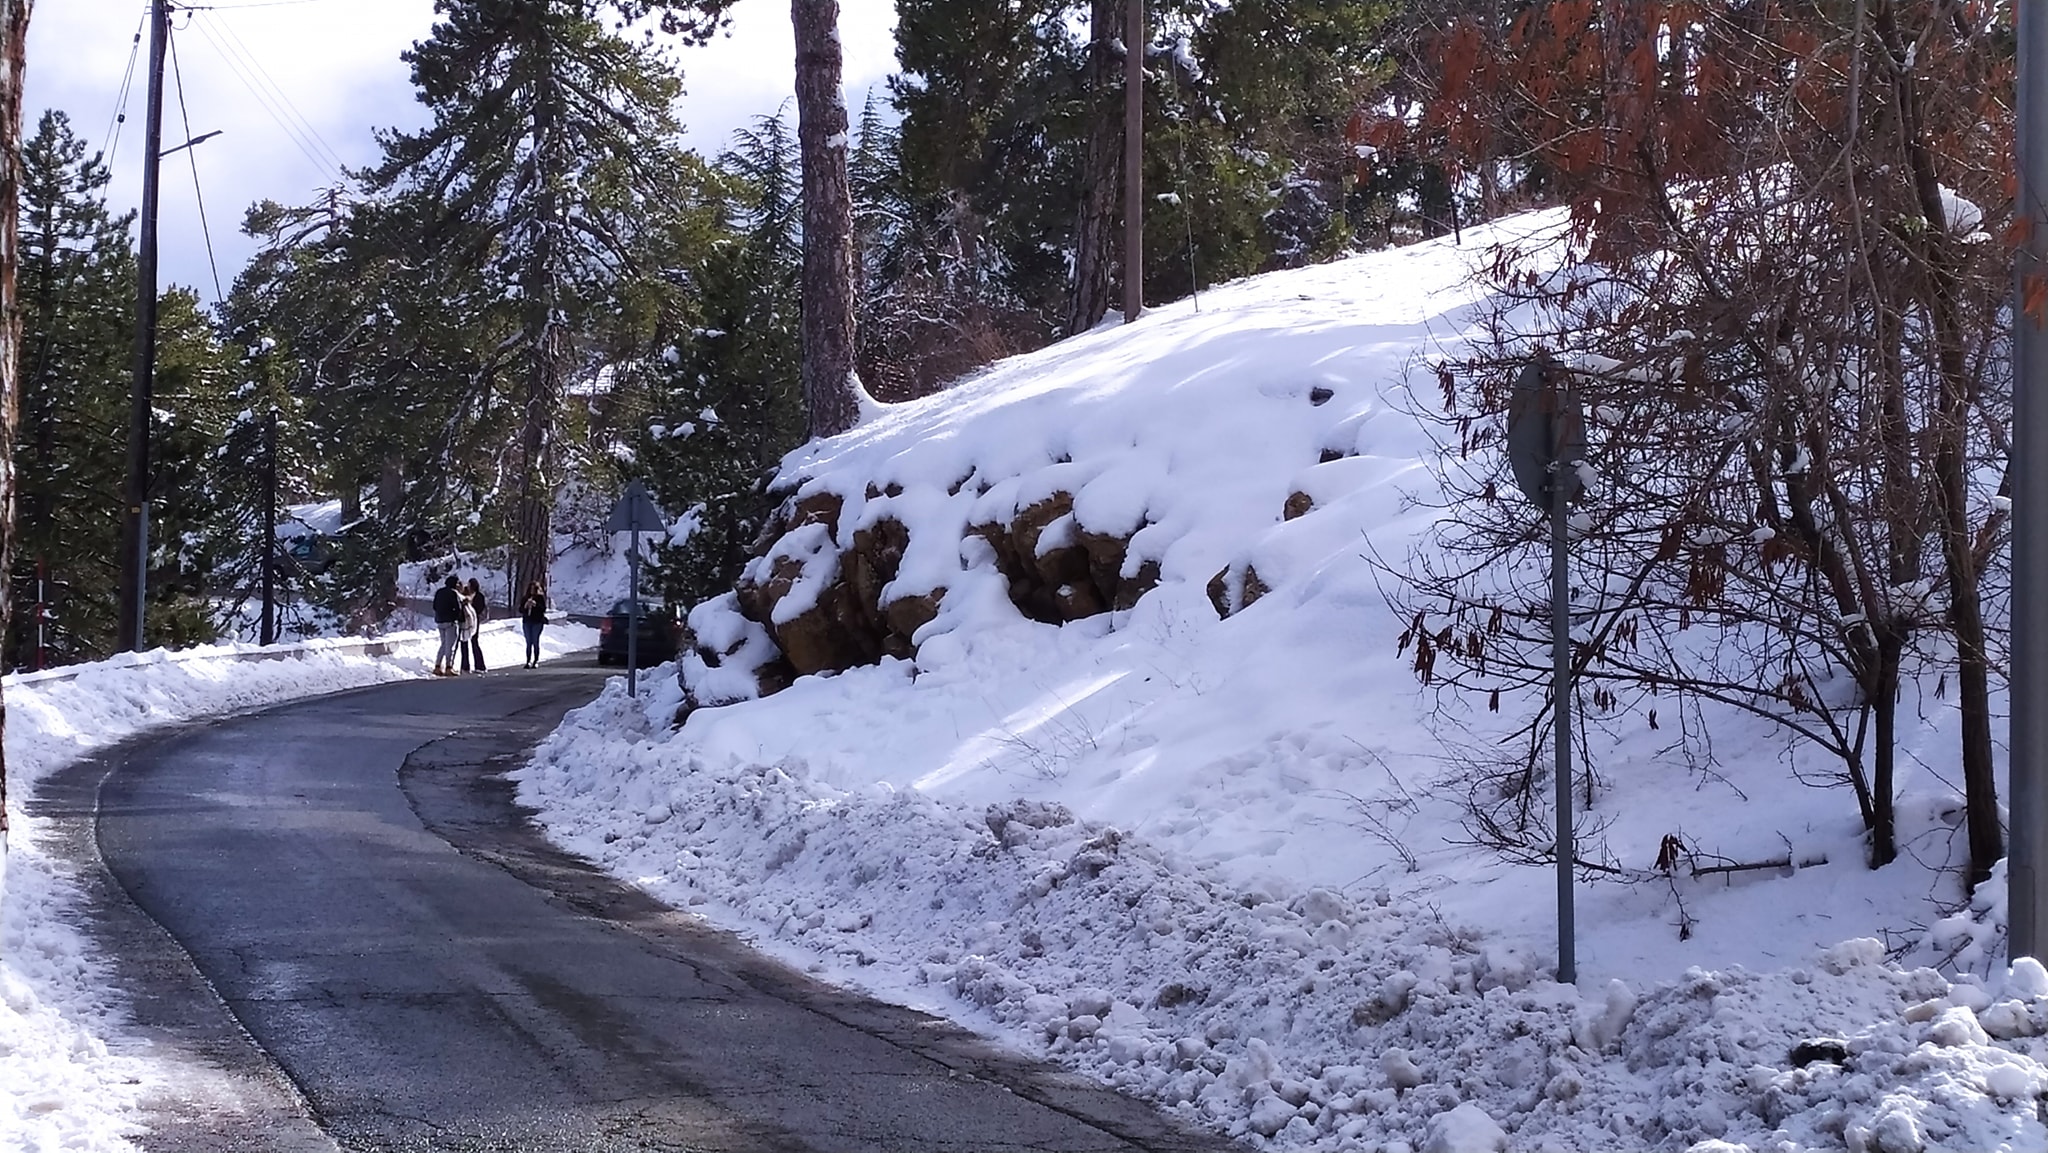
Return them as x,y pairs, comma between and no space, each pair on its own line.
849,624
1298,504
1233,590
1059,571
1056,571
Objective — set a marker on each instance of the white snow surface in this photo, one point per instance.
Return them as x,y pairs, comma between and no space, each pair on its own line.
72,1077
1223,864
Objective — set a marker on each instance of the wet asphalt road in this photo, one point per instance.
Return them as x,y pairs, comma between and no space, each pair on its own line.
364,945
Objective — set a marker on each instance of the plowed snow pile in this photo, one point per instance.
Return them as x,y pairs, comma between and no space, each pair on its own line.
1223,863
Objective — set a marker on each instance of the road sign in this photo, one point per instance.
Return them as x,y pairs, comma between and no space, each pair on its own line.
635,512
1545,426
1546,444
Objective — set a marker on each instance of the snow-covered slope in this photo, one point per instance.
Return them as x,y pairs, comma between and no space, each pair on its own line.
1224,863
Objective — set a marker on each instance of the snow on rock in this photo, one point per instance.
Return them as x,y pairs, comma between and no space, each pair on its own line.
1465,1129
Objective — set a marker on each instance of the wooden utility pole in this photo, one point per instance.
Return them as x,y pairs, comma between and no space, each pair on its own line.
135,494
13,36
1134,161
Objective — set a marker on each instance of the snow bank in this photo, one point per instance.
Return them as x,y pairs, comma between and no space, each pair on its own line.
68,1078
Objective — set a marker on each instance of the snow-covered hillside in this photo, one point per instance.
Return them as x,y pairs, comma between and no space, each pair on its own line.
1224,862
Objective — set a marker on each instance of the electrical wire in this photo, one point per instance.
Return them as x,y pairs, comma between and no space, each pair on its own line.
255,59
247,71
251,4
120,117
191,154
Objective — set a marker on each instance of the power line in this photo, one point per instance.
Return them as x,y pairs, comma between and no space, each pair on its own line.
191,154
251,4
113,133
274,104
284,98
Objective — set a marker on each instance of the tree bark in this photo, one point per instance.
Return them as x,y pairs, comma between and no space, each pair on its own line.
1094,231
14,16
533,543
832,393
1955,399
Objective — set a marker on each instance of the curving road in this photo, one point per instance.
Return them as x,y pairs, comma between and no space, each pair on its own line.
334,914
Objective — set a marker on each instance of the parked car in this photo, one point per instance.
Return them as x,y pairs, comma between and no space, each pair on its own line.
305,556
661,634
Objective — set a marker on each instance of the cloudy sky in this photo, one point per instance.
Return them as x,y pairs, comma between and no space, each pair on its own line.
295,87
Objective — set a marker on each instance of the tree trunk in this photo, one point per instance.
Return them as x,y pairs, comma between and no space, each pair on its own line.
1884,704
533,530
1949,424
1094,230
390,497
832,393
14,16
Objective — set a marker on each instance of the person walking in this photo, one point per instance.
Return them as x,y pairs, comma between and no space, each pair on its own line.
475,595
533,615
465,625
447,618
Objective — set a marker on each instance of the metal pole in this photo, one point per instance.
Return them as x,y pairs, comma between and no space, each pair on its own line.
1561,719
269,634
1134,160
135,527
42,613
633,617
2027,911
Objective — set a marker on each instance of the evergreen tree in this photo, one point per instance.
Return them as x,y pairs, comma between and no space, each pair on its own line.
551,142
724,403
75,282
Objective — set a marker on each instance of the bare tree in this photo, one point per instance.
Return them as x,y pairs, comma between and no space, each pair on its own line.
1784,303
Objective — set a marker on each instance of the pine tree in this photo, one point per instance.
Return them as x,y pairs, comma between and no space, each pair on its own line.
724,402
75,284
551,139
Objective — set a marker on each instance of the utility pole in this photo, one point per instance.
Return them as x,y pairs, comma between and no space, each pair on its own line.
135,495
269,634
2027,910
1134,161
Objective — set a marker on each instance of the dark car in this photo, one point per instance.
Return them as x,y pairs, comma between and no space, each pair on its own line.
661,634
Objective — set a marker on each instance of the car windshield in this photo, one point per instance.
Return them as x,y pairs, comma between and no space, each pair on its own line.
624,607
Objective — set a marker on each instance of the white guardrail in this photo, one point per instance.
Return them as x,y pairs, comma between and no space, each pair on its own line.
379,646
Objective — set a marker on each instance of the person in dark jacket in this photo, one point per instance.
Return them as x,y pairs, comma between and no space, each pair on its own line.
447,615
533,615
475,595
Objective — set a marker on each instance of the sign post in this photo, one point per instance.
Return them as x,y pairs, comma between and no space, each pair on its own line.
2027,783
1546,443
635,513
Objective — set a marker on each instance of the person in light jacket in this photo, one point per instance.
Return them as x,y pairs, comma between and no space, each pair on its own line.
533,615
465,625
447,618
475,595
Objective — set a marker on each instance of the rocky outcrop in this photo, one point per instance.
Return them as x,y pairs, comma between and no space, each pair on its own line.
1057,570
811,602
